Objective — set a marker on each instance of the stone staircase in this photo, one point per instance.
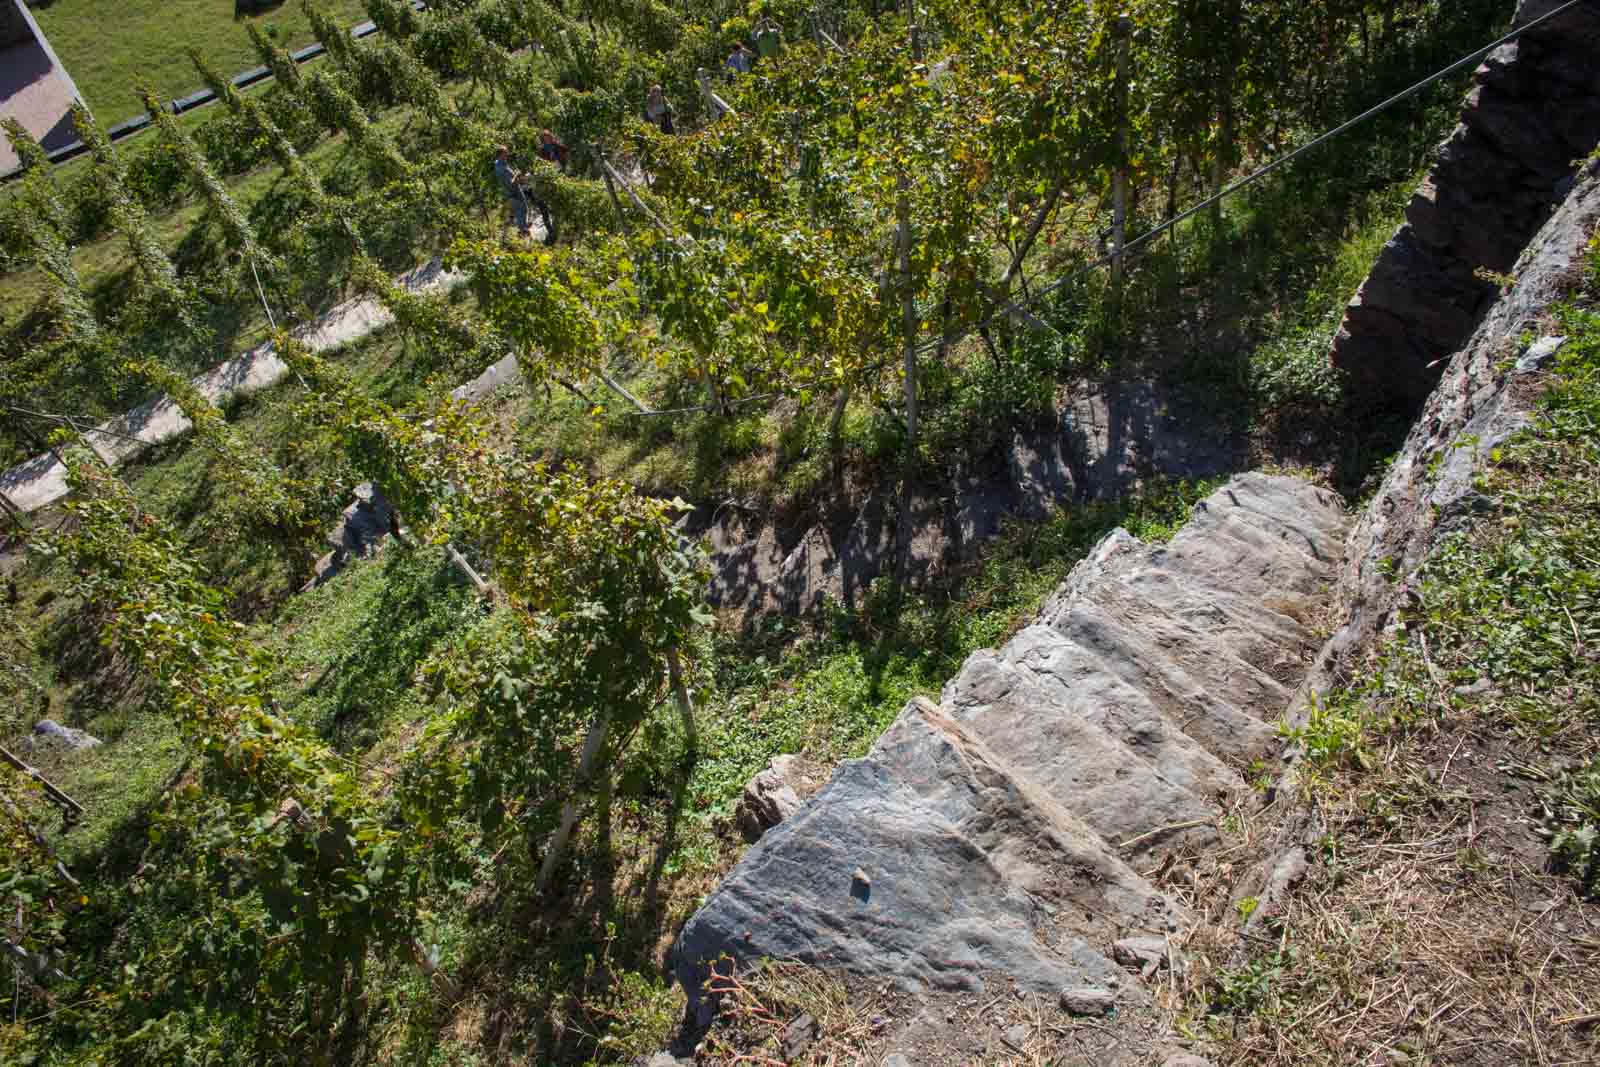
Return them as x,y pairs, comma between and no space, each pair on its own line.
999,833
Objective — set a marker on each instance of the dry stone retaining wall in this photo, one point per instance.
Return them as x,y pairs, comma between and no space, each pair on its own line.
1484,397
1533,112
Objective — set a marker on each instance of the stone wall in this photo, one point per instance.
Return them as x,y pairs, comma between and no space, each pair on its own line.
1486,394
1532,115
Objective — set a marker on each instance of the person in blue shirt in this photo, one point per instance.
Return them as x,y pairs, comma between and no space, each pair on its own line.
740,60
511,185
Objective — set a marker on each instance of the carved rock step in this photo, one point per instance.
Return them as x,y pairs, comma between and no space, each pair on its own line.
991,833
928,861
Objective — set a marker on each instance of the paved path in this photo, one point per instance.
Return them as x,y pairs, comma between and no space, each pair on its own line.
42,481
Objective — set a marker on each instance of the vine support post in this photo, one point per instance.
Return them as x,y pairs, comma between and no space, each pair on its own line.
1119,178
71,810
461,564
1222,153
841,401
716,107
908,308
680,696
613,176
611,188
622,391
916,31
12,511
824,41
593,743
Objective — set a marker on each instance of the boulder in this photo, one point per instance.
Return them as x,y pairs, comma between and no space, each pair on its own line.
1088,1000
359,533
1539,354
50,732
1146,954
364,524
769,798
968,872
995,834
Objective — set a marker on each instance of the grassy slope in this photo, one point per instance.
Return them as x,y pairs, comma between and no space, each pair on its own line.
109,50
55,646
1451,914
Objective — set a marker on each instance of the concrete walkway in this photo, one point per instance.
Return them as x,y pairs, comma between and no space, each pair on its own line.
42,481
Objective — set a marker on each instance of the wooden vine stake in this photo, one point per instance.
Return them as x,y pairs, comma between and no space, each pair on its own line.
680,696
69,807
1119,178
908,307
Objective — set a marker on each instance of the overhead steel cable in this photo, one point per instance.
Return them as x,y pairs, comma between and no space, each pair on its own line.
1016,306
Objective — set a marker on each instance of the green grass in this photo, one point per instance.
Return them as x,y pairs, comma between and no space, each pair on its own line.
351,647
109,50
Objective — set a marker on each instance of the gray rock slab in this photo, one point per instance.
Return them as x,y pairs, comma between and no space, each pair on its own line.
991,833
1112,786
50,732
1084,681
972,870
1163,663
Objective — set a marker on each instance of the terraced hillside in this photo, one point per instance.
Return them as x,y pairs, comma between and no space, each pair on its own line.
795,403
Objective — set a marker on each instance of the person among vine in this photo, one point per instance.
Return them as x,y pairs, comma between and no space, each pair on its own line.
658,111
769,37
510,180
740,60
513,185
552,150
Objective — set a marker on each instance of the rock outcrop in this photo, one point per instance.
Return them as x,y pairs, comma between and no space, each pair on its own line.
1001,831
47,733
358,534
1534,110
1484,397
1100,443
769,798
